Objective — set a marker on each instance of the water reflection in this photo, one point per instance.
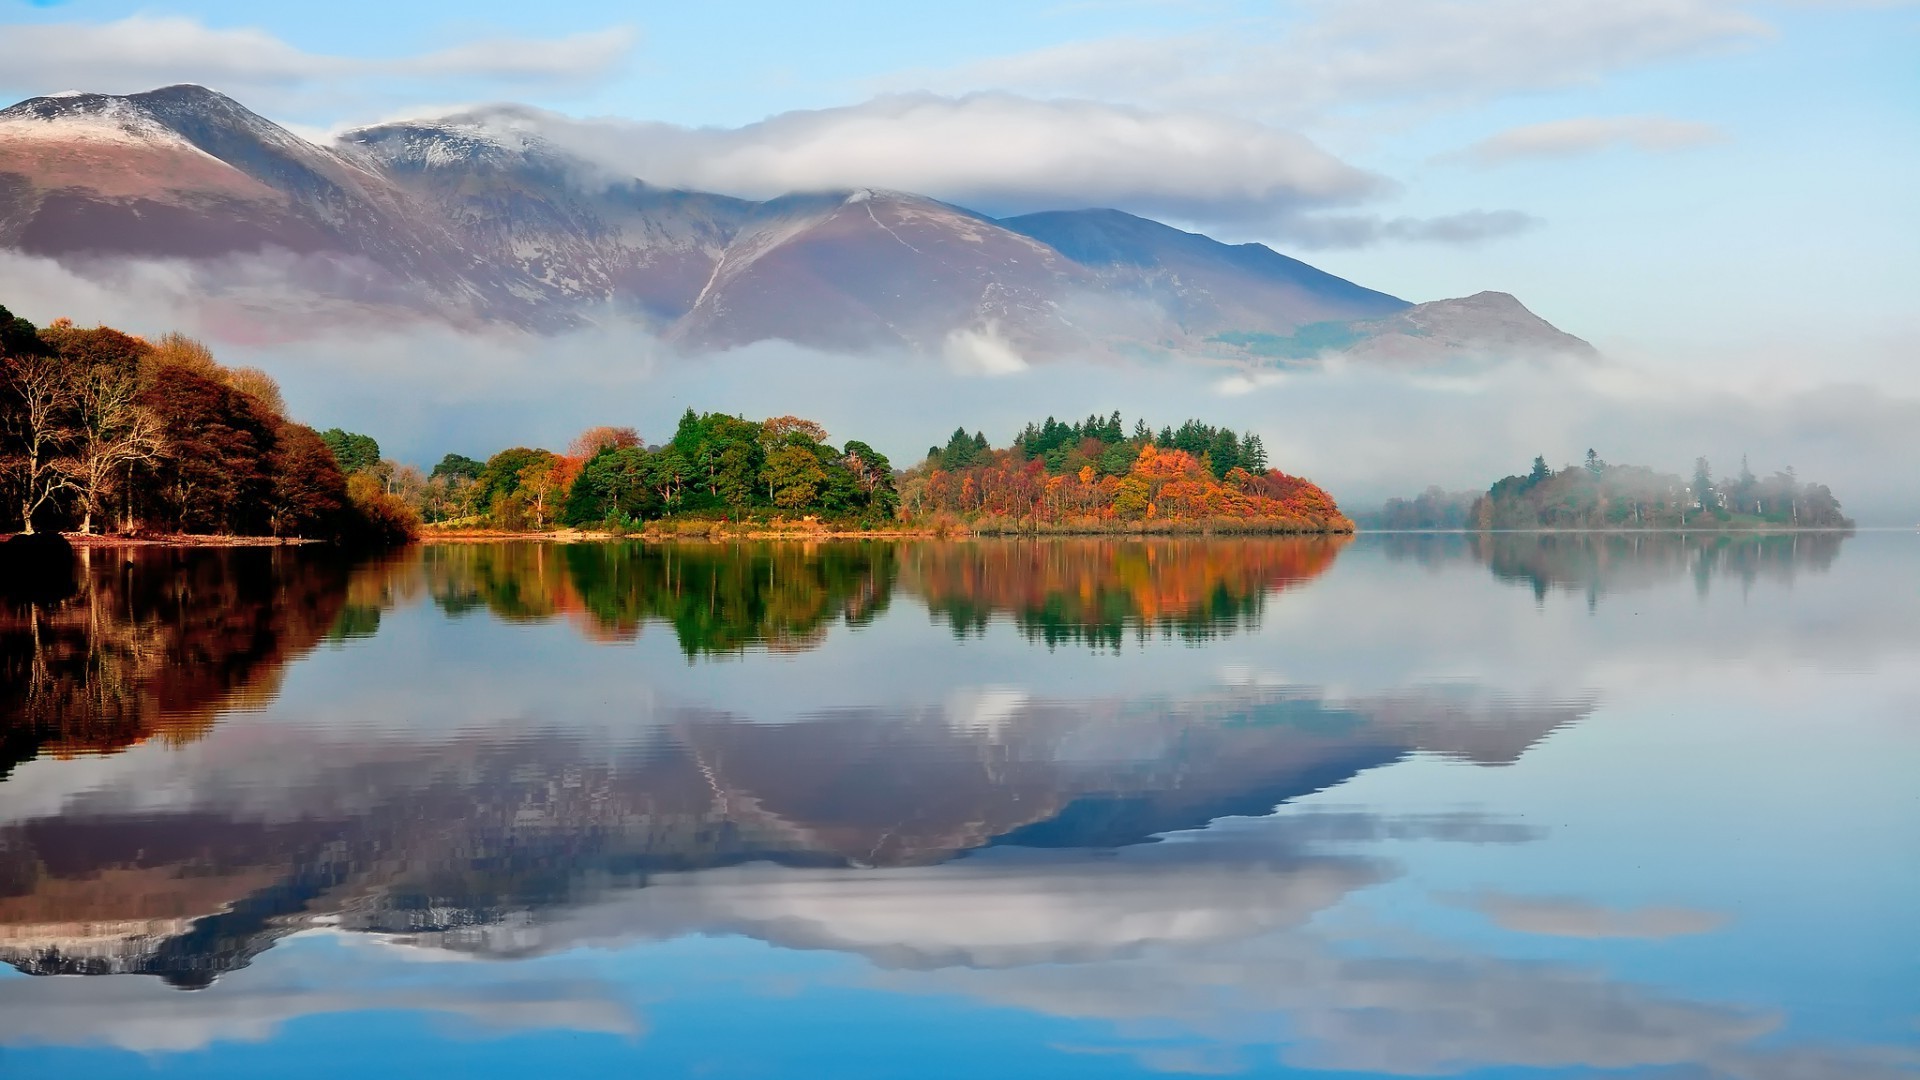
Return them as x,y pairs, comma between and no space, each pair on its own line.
1599,563
157,643
404,835
1098,592
1396,823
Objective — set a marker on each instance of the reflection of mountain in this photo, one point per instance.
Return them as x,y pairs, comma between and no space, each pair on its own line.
1598,563
261,838
157,642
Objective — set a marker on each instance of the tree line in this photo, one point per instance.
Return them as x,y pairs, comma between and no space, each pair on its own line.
1598,495
1085,476
1104,444
714,466
105,431
1093,475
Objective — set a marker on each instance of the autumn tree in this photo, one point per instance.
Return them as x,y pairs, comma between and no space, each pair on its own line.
215,473
595,439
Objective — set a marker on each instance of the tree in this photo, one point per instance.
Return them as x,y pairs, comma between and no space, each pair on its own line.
114,433
1703,483
40,423
1253,455
959,451
1540,471
309,493
539,481
457,465
216,473
259,386
1595,467
18,337
779,428
873,474
595,439
794,474
352,451
1224,452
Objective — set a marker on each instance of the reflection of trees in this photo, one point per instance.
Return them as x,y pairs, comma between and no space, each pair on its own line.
723,598
719,598
155,643
1598,563
1098,591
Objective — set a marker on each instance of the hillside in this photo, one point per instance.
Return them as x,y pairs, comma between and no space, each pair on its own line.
471,219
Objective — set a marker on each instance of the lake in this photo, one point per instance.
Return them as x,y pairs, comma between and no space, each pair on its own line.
1398,805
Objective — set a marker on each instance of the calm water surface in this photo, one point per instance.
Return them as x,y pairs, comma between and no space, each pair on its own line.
1508,807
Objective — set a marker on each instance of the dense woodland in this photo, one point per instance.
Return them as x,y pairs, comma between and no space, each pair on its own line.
1088,476
103,431
1095,474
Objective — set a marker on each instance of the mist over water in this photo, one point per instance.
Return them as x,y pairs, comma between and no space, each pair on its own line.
1365,432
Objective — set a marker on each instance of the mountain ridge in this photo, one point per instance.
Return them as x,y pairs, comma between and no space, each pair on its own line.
461,220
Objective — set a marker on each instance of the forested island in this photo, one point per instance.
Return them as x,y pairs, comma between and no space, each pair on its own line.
1599,495
725,471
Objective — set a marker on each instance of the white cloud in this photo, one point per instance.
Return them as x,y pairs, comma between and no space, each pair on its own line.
1372,51
1575,918
141,52
1322,231
1585,135
251,1005
994,152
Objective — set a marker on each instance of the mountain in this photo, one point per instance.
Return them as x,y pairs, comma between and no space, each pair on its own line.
473,219
1486,325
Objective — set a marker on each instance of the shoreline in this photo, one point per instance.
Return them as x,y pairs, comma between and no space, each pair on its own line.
655,536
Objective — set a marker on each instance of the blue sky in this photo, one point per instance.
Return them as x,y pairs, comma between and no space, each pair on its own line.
1717,184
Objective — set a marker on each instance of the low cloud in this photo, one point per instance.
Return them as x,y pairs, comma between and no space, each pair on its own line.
999,153
1365,431
1324,231
1327,56
1566,917
140,52
1586,135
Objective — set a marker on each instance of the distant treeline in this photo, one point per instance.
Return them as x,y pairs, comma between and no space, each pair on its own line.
1600,495
104,431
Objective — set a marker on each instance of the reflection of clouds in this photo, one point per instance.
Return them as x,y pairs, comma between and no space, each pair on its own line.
985,709
252,1005
1570,917
1430,1014
1005,907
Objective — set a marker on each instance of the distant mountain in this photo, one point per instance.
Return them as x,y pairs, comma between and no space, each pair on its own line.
470,220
